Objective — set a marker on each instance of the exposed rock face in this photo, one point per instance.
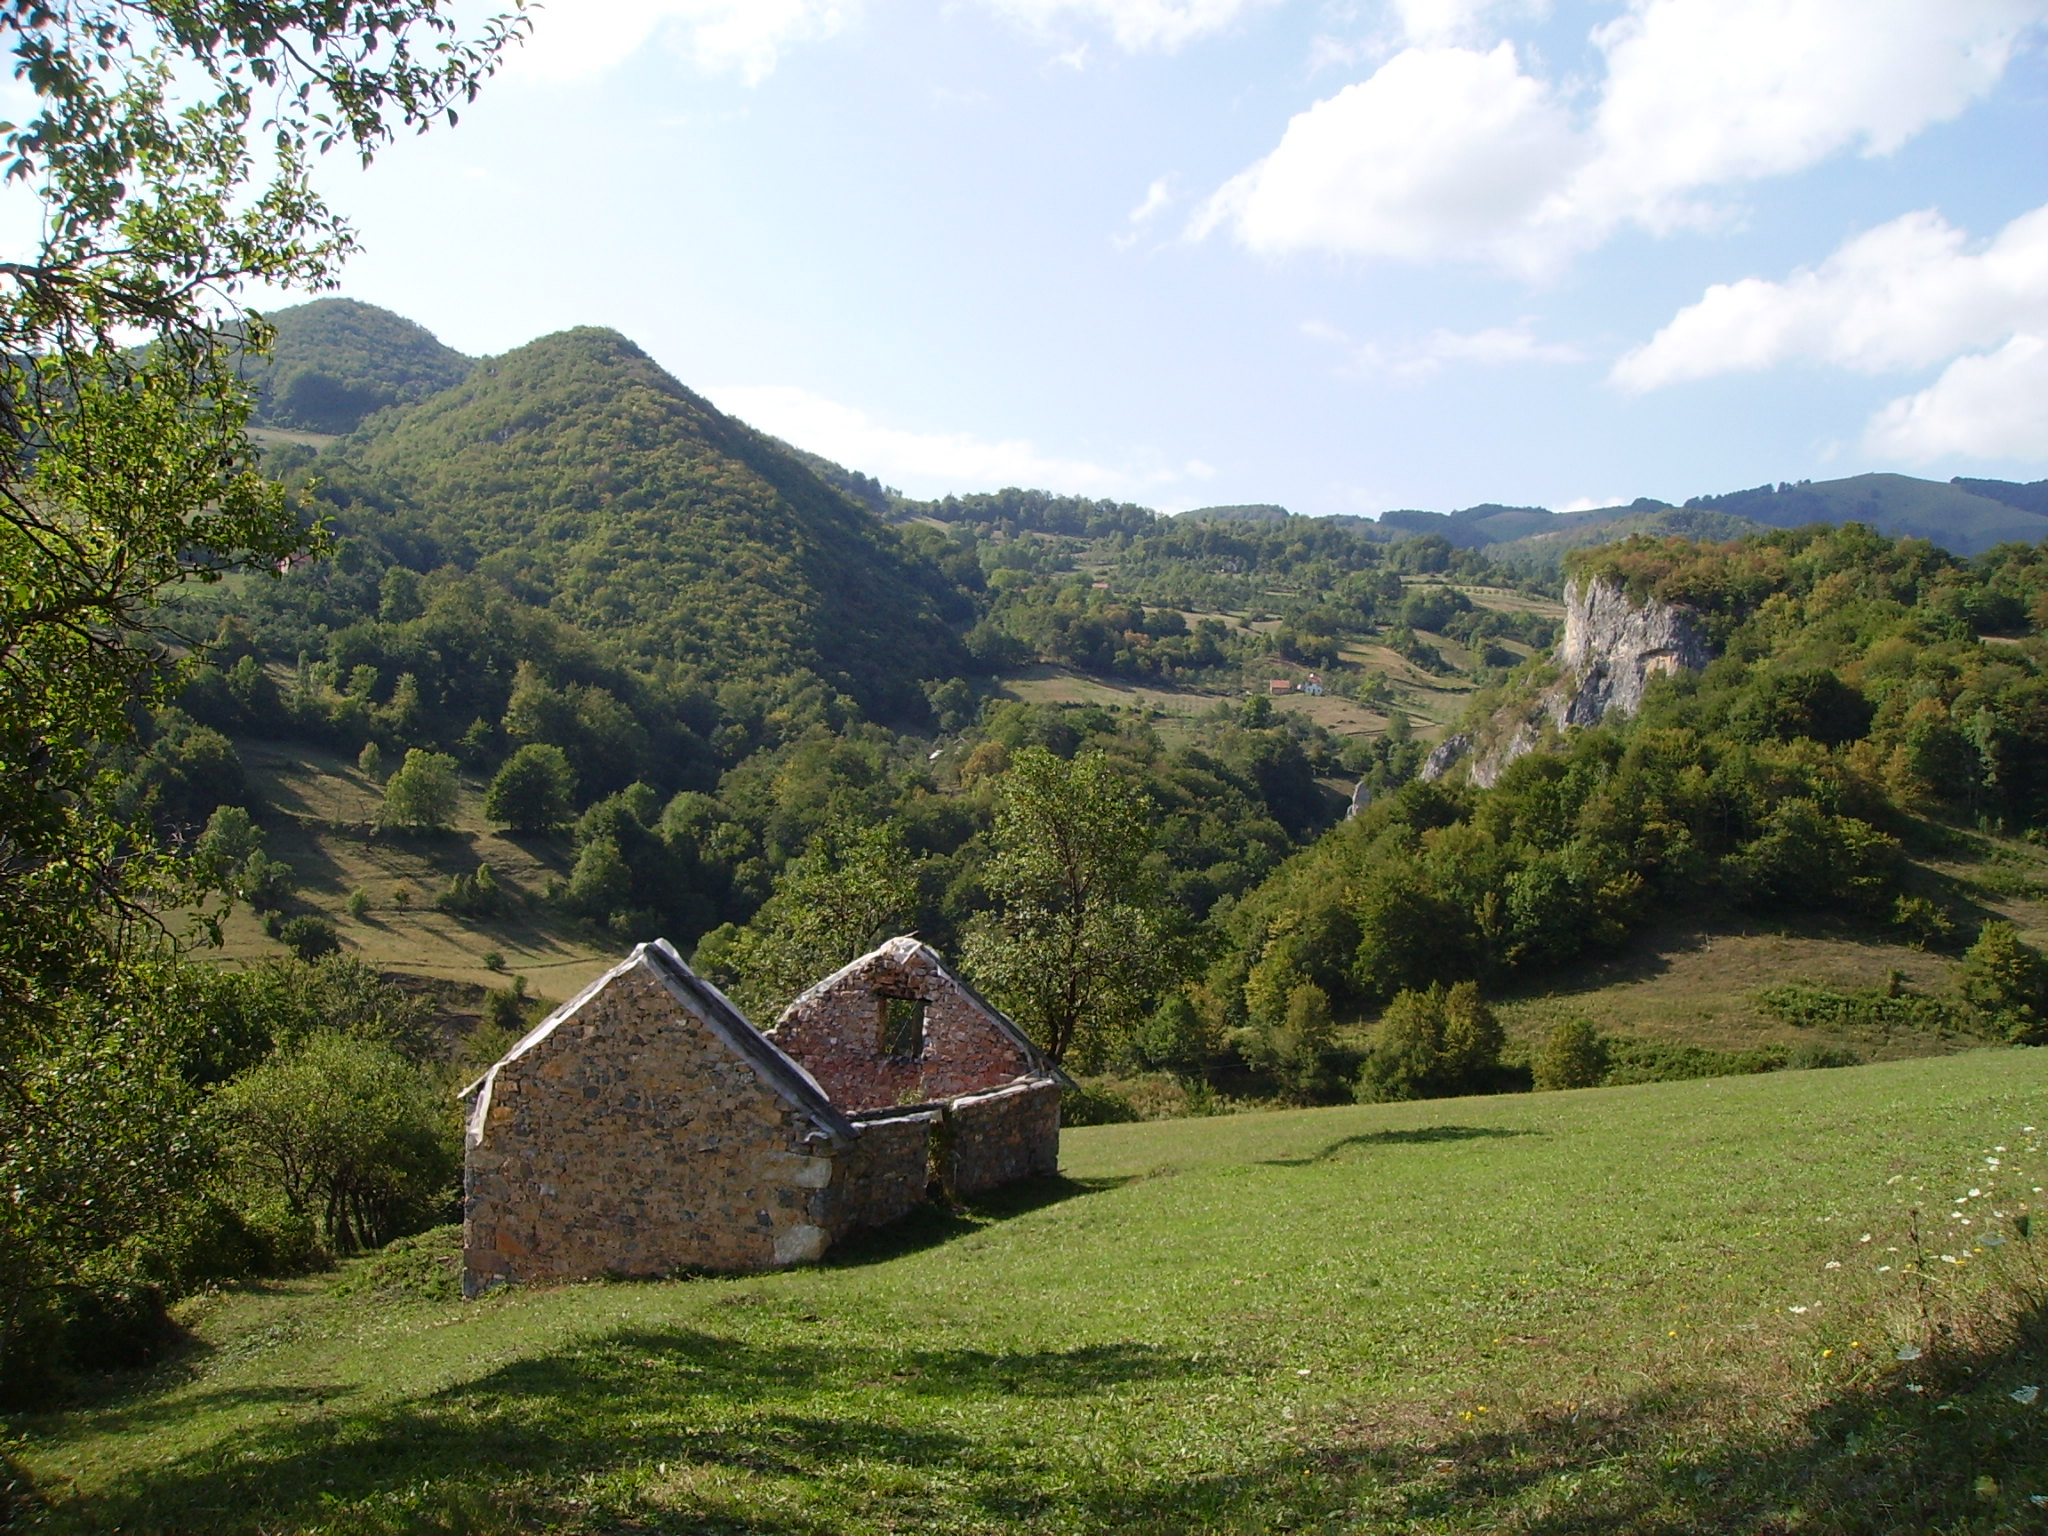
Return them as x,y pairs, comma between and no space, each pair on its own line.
1614,648
1610,651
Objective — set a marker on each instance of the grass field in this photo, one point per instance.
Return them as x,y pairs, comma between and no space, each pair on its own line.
1671,1308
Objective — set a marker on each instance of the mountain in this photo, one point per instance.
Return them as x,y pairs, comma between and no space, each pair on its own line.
334,362
578,471
1959,516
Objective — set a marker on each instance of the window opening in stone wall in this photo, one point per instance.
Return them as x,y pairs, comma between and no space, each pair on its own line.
902,1026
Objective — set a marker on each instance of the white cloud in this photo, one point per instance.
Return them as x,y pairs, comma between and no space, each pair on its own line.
1451,150
1907,294
1136,25
580,41
1442,149
1990,406
933,463
1431,22
1493,347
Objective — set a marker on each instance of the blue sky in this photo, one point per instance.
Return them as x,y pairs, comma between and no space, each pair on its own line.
1341,256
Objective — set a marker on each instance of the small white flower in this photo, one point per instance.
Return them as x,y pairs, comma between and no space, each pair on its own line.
2025,1396
1884,1269
1914,1386
1795,1309
1975,1193
1909,1352
1864,1238
1301,1373
1834,1264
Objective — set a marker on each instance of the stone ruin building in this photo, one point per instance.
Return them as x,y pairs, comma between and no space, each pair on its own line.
646,1127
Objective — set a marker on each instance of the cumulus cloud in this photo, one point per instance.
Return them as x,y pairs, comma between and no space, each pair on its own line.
1442,148
1492,347
743,37
1136,25
1907,294
1453,149
1458,21
1989,406
934,463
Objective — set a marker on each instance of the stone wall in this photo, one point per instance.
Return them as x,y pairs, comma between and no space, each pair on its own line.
631,1139
1009,1134
835,1031
885,1174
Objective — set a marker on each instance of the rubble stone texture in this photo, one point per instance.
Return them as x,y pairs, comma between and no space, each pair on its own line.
647,1127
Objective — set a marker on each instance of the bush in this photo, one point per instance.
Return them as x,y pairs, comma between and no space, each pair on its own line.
266,883
1573,1056
309,937
1661,1061
346,1138
475,893
1431,1045
1175,1037
2007,982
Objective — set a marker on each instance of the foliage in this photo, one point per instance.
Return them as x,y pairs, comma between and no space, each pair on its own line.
855,886
422,795
1078,943
1432,1044
308,936
352,1141
2007,981
1572,1056
535,791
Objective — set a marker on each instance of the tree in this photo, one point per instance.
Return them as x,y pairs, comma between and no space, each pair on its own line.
422,794
854,886
1077,945
1572,1056
1432,1044
534,791
125,470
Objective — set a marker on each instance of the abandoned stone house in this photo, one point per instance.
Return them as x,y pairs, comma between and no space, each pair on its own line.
646,1127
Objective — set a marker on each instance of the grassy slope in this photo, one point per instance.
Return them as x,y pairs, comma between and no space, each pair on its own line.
319,817
1618,1309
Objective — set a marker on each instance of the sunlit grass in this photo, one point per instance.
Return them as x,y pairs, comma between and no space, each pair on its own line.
1623,1309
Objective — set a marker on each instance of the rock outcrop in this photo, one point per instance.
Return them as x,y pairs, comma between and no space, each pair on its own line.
1612,648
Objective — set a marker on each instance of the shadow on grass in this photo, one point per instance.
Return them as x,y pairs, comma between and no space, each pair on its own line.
933,1224
1420,1136
521,1448
788,1432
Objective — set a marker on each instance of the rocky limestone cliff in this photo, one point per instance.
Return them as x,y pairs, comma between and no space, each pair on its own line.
1611,649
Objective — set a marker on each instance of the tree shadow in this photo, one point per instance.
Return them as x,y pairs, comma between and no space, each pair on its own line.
1420,1136
520,1437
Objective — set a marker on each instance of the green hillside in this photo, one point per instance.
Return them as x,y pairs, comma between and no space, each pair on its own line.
1953,516
630,506
1799,1304
334,362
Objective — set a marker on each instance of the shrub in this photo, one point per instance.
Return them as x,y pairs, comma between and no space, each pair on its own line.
1573,1056
1432,1044
1175,1036
2006,981
358,903
353,1143
370,761
266,883
308,937
474,893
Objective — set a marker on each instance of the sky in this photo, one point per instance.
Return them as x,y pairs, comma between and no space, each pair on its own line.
1342,255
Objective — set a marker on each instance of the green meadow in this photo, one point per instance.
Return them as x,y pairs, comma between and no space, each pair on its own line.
1677,1307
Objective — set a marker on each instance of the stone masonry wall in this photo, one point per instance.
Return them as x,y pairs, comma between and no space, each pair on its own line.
1009,1134
835,1031
883,1176
631,1140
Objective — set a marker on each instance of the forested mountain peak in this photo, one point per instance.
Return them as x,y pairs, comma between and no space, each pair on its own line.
334,362
578,471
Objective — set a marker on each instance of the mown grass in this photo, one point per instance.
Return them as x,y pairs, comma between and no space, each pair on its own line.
1646,1309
